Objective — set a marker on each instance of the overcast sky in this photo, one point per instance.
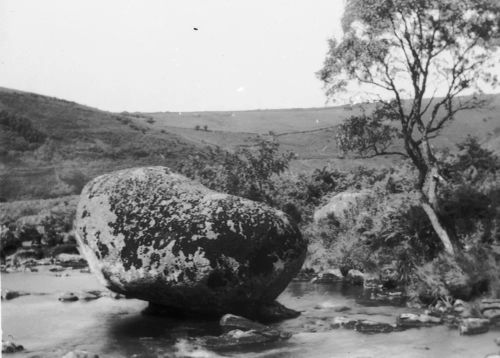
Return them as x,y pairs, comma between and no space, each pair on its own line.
146,55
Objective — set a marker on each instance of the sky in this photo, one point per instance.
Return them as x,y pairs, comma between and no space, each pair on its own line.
122,55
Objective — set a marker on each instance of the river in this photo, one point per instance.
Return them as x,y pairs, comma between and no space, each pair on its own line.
116,327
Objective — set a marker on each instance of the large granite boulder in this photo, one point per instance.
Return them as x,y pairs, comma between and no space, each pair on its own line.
156,235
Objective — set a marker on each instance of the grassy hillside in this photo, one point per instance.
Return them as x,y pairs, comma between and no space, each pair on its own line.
78,143
65,144
311,132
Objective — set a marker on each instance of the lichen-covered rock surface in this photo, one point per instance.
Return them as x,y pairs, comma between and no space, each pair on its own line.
155,235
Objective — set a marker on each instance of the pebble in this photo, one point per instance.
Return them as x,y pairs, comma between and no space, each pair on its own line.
68,297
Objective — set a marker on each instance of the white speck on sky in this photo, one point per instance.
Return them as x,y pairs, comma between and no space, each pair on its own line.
147,56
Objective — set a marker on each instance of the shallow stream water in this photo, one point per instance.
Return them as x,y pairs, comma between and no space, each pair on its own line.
117,328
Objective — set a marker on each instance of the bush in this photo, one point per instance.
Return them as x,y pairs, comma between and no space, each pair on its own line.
54,226
387,228
22,126
248,172
468,275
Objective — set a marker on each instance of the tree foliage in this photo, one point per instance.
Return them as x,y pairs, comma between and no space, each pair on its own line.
429,52
247,172
367,136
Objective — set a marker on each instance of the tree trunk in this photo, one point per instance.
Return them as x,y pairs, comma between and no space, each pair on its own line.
430,206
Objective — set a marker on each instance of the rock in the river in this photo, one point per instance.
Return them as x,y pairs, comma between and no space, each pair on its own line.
368,326
329,276
68,297
230,322
239,331
469,326
11,347
343,322
155,235
490,308
355,277
237,338
90,295
80,354
10,294
71,260
410,320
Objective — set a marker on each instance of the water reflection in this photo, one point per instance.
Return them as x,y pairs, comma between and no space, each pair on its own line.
117,328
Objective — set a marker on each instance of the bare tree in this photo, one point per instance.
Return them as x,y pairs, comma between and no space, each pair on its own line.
421,57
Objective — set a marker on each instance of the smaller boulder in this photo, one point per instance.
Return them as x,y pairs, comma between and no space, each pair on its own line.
329,276
10,295
56,268
371,327
470,326
230,322
489,303
239,331
237,338
355,277
490,309
493,315
341,204
71,260
343,322
68,297
90,295
411,320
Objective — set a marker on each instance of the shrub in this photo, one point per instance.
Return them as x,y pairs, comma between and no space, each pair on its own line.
55,225
22,126
248,172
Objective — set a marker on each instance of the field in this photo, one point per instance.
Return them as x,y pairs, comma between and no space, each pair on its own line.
81,142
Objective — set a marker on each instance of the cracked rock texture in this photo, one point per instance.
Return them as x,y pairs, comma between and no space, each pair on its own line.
155,235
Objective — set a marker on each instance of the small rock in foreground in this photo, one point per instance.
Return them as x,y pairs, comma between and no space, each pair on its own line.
240,331
344,322
329,276
90,295
470,326
410,320
68,297
231,322
80,354
11,347
10,295
367,326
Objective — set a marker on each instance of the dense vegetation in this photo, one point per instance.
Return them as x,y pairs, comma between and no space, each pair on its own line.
387,233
